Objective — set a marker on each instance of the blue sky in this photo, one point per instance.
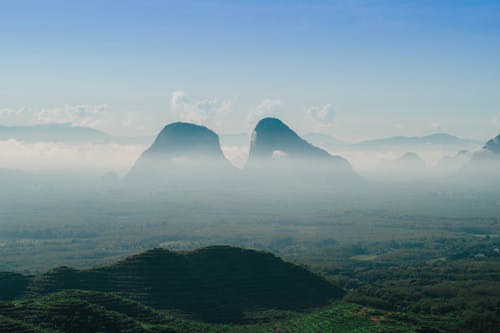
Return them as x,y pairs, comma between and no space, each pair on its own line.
352,69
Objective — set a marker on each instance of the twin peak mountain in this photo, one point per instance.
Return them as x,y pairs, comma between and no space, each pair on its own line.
187,150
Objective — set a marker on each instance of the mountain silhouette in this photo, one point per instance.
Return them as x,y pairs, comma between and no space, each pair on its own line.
408,142
493,145
489,152
181,150
411,158
271,135
483,165
278,154
272,139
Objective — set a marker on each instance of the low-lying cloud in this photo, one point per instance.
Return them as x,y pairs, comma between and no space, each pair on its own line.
78,115
41,156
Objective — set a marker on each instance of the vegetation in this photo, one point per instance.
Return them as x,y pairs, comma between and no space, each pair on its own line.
215,284
397,271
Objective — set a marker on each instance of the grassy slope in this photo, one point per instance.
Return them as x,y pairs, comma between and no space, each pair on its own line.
79,311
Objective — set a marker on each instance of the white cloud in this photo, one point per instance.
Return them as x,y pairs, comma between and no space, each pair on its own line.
267,108
322,116
279,154
49,155
207,111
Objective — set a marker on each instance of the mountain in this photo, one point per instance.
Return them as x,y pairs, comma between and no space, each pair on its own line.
213,284
411,159
279,158
181,150
65,133
452,164
493,145
274,143
436,139
409,166
489,153
482,167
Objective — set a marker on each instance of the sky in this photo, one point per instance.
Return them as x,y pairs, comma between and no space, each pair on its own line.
351,69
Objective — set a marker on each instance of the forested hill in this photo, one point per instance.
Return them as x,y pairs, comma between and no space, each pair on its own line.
213,284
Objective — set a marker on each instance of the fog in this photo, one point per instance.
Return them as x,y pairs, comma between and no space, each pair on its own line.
85,203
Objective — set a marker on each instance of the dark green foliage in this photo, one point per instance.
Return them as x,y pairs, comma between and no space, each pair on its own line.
452,285
12,285
76,311
9,325
216,284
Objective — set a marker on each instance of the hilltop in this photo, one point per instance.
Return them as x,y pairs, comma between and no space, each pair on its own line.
215,284
212,289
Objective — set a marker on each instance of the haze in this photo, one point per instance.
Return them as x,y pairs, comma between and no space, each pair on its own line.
358,140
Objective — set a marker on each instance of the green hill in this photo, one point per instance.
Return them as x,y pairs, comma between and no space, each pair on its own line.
213,289
214,284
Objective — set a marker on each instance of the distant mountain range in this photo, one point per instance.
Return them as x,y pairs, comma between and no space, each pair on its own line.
65,133
395,142
68,133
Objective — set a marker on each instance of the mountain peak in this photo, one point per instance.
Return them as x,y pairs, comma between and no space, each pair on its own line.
271,135
185,138
493,145
271,123
181,151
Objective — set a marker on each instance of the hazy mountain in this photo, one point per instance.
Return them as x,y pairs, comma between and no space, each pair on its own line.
451,164
216,284
411,159
180,151
325,140
437,139
65,133
279,156
409,166
273,140
489,152
493,145
483,166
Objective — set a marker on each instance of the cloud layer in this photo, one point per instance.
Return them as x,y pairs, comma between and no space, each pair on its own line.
78,115
49,155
